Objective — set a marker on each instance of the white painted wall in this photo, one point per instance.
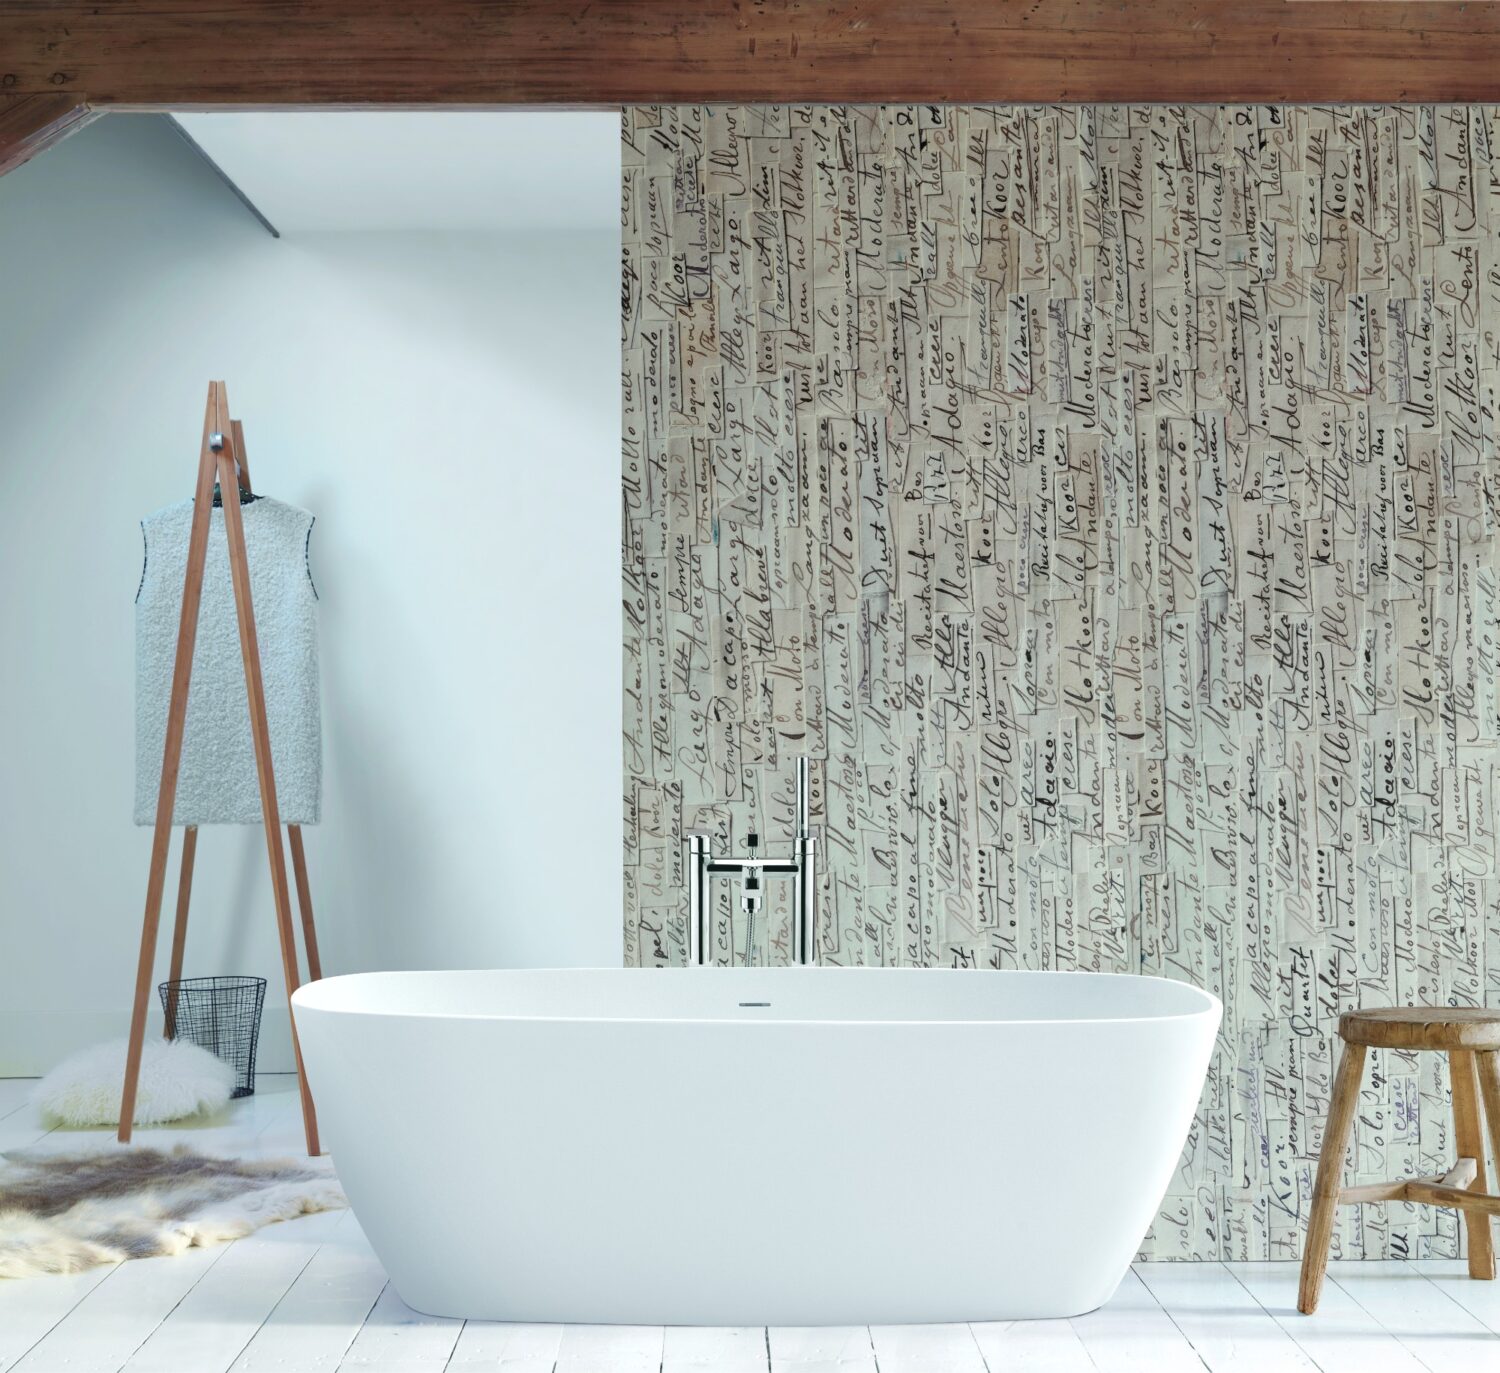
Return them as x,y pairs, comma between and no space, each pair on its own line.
447,404
410,169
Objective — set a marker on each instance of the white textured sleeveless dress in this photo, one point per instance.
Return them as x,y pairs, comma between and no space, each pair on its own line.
217,783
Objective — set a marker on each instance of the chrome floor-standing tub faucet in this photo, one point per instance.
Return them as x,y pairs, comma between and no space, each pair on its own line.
752,871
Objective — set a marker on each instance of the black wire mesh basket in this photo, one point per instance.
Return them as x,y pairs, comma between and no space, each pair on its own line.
220,1014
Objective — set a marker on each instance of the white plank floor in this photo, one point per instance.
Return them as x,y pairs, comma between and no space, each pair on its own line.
309,1295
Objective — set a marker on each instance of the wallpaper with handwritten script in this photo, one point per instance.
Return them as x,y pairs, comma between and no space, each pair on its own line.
1105,499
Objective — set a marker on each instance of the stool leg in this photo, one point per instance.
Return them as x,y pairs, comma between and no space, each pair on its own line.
1488,1065
1330,1176
1470,1140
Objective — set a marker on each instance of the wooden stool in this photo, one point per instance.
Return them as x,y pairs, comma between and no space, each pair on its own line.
1471,1039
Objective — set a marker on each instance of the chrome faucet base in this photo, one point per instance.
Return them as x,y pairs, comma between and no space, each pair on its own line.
752,871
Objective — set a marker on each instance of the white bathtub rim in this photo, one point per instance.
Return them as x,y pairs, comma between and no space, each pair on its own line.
312,996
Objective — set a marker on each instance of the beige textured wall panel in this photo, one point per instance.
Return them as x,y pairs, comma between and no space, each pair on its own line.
1105,499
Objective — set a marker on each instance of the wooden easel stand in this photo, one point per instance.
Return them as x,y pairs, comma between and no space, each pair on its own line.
221,458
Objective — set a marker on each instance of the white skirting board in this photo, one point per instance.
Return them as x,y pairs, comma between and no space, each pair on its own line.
32,1042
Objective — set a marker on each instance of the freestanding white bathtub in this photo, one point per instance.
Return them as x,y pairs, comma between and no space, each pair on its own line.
796,1146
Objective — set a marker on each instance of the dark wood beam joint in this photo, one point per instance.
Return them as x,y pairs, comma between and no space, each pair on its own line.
30,124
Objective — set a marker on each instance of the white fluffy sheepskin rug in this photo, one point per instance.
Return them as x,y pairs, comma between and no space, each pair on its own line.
177,1079
63,1212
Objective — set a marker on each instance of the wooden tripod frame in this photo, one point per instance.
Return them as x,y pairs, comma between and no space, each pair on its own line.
221,459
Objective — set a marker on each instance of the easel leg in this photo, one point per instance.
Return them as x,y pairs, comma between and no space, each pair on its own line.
166,798
239,568
304,903
144,966
179,928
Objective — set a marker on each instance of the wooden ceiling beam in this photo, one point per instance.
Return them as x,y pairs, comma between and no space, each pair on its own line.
31,123
183,54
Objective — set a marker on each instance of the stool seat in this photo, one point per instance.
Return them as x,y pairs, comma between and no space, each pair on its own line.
1422,1027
